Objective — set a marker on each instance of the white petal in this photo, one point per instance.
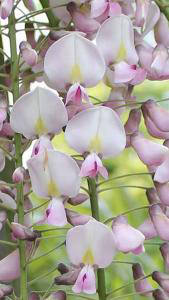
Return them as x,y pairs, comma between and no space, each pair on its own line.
38,112
87,243
54,173
73,59
97,130
115,40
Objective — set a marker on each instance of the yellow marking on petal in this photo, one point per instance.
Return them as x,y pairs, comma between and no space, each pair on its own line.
76,75
88,258
95,145
53,189
121,53
40,127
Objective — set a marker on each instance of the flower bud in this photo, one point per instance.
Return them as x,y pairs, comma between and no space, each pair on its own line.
152,196
30,4
164,249
132,124
68,278
75,218
18,175
34,296
128,239
22,232
148,230
163,192
5,290
6,8
160,221
79,199
162,279
59,295
29,55
62,268
141,286
159,295
157,115
161,31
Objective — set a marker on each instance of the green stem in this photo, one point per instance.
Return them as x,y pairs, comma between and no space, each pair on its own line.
95,214
124,186
128,284
52,19
8,243
46,253
122,176
17,139
127,212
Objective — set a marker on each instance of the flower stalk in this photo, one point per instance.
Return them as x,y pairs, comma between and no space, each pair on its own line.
95,214
18,154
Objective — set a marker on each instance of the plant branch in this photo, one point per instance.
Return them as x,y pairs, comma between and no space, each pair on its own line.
95,214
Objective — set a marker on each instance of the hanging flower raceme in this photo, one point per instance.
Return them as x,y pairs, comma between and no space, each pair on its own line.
115,40
92,245
128,239
6,8
48,113
54,174
83,66
90,131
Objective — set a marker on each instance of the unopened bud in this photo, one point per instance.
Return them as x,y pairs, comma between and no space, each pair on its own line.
141,286
59,295
5,290
147,228
79,199
62,268
18,175
163,192
164,248
161,31
162,279
132,124
152,196
160,221
34,296
156,119
22,232
68,278
29,55
159,295
75,218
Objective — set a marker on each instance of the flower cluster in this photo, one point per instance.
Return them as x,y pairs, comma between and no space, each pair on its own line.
89,42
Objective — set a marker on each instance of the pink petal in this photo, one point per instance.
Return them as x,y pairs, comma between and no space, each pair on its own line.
56,214
6,8
124,72
160,221
10,267
92,165
161,31
147,228
150,153
162,172
127,237
86,281
98,8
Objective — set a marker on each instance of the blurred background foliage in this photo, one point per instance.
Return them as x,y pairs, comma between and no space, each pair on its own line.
112,202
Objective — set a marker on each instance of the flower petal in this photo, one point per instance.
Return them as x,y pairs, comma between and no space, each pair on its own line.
83,63
86,281
87,243
38,112
115,39
90,130
10,267
54,173
56,214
